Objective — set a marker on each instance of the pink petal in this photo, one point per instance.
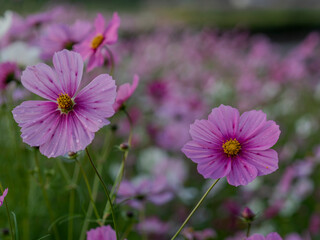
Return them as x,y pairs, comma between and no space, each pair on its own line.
41,80
96,59
37,120
256,237
99,24
206,134
111,33
98,97
265,161
218,167
198,153
69,135
273,236
226,120
255,132
69,68
241,172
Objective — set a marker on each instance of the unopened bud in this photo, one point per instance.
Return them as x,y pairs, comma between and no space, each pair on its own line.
124,146
72,155
247,214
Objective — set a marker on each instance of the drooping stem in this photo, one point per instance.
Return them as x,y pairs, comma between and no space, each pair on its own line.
89,190
111,60
248,229
106,192
195,208
45,195
8,214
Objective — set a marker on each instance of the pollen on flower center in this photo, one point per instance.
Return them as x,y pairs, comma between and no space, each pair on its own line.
65,103
231,147
96,41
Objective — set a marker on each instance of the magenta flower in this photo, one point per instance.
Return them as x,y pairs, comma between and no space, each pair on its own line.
270,236
3,196
92,46
69,119
124,93
102,233
191,234
234,146
143,190
61,36
9,72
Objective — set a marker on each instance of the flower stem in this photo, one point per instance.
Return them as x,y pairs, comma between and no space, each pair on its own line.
8,214
111,61
248,229
195,208
106,192
73,185
120,174
89,190
45,195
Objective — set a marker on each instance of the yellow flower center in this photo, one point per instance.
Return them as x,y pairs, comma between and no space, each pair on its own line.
65,103
231,147
96,41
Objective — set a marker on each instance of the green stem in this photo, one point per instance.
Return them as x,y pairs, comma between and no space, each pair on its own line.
73,185
108,142
248,229
89,191
111,61
195,208
45,195
120,175
106,192
8,214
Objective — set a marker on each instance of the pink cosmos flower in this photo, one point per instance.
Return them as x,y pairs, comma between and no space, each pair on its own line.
5,192
270,236
57,37
142,190
124,92
191,234
92,46
9,71
102,233
234,146
69,118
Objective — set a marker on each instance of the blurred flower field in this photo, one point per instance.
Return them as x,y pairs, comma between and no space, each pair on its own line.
117,153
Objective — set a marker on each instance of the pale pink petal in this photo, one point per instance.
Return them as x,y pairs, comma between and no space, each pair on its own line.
69,68
69,135
5,192
241,172
161,198
265,161
99,24
41,80
255,132
111,33
226,120
37,120
84,48
96,59
98,97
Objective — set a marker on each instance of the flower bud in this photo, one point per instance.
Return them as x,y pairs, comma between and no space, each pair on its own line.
247,214
124,146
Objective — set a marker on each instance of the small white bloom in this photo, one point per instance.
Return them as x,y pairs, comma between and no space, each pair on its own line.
5,23
21,53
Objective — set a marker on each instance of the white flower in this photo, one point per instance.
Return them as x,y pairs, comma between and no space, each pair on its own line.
21,53
5,23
